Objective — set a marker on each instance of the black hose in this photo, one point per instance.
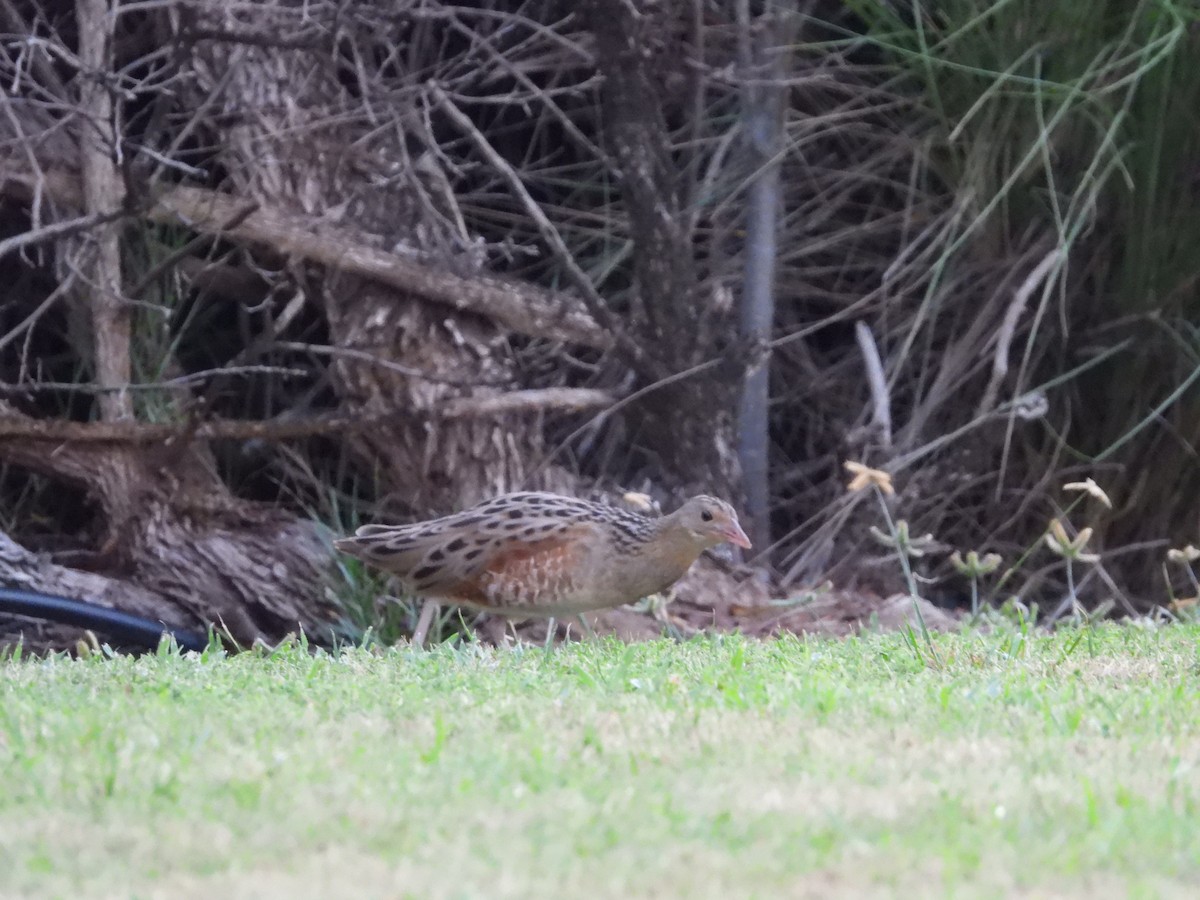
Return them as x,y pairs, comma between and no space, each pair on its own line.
123,627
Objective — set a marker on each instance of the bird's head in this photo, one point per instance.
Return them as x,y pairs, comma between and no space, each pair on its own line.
709,521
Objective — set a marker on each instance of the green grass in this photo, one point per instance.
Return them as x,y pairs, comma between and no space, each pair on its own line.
1064,765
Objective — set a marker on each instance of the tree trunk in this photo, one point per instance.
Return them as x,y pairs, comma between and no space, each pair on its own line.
765,66
688,424
176,544
180,548
102,192
329,153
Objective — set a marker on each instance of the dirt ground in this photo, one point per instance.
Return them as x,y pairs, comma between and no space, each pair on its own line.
718,596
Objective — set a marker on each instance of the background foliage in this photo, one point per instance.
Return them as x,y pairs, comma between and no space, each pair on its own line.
996,198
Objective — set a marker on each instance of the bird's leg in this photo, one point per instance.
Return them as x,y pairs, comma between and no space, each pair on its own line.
428,611
551,627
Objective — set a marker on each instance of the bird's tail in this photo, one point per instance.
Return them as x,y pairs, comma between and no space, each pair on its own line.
397,548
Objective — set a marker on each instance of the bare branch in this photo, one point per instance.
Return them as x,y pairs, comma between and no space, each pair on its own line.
383,363
1008,328
286,428
30,320
558,399
55,230
185,251
524,308
583,283
169,384
876,380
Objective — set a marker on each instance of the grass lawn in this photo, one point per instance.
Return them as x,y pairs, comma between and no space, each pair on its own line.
1042,765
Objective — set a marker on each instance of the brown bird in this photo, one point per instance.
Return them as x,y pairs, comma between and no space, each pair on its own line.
535,554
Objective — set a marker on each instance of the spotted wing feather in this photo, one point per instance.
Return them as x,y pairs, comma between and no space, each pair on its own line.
546,576
503,552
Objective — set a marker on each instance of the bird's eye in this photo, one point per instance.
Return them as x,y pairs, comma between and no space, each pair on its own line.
706,515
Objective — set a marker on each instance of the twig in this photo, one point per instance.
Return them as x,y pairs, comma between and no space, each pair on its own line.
30,320
562,399
524,308
57,230
881,413
537,91
591,297
186,250
182,380
364,356
285,427
521,307
699,369
1008,327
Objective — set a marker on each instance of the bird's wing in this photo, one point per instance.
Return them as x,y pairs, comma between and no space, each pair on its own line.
458,550
542,574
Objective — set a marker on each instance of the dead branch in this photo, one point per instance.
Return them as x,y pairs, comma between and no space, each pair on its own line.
168,384
582,281
558,399
185,252
384,363
286,428
524,308
129,432
1008,328
881,408
21,569
55,231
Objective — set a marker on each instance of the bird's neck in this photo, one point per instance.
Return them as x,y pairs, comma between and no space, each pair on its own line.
663,559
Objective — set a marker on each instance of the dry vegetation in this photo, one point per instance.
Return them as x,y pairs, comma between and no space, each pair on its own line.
270,265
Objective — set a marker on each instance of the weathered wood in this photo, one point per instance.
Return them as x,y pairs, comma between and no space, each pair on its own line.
291,428
103,192
189,551
765,44
524,308
333,186
19,568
